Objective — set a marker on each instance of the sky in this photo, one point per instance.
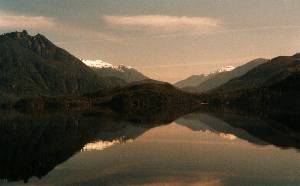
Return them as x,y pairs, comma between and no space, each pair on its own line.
167,40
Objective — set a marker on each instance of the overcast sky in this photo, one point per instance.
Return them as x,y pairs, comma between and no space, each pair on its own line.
165,39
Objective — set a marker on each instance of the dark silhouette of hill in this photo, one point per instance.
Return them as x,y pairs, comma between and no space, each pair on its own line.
147,97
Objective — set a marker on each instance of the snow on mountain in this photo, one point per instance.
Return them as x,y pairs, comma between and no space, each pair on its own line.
97,64
102,64
220,70
124,72
225,69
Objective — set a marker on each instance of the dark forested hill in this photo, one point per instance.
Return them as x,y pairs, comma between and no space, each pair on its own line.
143,98
148,97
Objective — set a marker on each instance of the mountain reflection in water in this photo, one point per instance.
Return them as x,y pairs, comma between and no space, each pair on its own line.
198,148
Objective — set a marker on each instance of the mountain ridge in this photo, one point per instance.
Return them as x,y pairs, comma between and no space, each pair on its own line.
195,80
218,79
104,69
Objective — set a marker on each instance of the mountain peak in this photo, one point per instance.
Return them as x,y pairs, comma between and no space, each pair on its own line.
38,43
23,35
16,35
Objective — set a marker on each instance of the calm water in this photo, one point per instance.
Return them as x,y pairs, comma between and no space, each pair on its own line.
196,149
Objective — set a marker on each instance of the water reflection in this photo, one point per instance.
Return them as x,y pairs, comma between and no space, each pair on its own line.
251,128
135,150
32,145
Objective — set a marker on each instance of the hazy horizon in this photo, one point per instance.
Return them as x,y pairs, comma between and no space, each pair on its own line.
165,40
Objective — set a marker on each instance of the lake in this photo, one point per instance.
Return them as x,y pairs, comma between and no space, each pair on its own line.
195,149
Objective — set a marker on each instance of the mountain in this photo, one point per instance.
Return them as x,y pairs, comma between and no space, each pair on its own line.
105,69
218,79
33,65
195,80
267,74
273,86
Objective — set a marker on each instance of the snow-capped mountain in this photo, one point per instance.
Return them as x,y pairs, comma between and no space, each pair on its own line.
195,80
204,83
124,72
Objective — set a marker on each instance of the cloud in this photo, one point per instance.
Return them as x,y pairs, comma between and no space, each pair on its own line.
164,23
26,22
52,26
